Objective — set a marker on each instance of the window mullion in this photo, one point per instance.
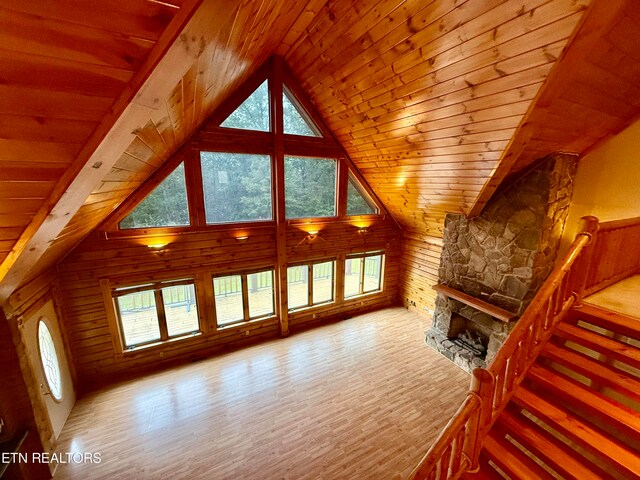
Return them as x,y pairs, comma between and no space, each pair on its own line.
362,265
245,297
162,316
310,285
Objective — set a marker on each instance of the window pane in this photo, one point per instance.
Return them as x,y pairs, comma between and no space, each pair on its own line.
352,284
310,187
139,317
260,286
228,298
237,187
372,267
166,206
357,203
293,121
322,282
49,359
298,284
253,113
180,309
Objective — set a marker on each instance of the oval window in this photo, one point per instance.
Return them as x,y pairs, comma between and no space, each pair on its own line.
49,360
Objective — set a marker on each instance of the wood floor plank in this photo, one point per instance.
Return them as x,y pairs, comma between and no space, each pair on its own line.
361,398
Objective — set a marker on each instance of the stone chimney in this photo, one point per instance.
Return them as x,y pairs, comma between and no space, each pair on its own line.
504,255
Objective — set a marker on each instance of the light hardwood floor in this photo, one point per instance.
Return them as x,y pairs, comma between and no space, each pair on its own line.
359,399
621,297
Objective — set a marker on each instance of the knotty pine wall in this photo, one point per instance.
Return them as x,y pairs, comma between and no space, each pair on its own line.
419,271
123,258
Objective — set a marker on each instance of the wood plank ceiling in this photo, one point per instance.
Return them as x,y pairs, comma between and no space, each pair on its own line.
426,97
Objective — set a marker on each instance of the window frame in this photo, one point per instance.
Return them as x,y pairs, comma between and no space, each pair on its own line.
244,282
267,81
274,142
44,321
336,188
201,190
357,185
363,256
286,92
189,225
309,265
156,288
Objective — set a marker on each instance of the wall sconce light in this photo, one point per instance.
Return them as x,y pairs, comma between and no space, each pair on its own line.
312,234
157,246
242,238
362,230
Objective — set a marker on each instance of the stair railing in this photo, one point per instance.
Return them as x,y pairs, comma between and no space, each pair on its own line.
457,449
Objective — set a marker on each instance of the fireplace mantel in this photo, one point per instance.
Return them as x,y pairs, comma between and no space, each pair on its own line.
478,304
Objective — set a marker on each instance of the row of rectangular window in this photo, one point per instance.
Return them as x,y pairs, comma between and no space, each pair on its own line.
159,312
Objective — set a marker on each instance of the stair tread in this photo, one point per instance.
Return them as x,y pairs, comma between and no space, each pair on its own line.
578,394
511,460
609,319
617,454
560,457
613,348
588,367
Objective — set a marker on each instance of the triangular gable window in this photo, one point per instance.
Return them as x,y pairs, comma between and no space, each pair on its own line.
253,113
295,122
165,206
358,202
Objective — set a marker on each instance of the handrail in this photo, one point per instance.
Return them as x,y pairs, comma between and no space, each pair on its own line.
492,388
616,224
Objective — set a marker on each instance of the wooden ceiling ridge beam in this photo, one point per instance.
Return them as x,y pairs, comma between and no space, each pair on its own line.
599,17
89,166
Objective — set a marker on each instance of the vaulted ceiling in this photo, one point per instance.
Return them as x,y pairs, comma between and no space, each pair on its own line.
436,101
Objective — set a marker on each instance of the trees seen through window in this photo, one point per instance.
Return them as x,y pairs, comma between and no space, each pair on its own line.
237,187
166,206
357,202
253,113
310,187
293,121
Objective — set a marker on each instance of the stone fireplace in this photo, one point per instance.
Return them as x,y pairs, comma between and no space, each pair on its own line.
492,265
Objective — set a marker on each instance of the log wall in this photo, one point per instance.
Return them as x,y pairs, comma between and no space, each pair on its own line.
419,264
124,258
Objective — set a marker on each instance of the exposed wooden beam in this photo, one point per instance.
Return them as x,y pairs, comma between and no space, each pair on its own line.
103,149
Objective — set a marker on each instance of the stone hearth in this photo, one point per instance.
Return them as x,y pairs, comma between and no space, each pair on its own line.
501,257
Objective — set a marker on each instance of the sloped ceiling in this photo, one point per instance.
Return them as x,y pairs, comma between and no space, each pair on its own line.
435,101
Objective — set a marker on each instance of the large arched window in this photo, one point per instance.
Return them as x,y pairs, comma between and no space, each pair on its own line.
49,359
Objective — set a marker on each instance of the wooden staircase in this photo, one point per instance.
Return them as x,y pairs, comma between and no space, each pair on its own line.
576,414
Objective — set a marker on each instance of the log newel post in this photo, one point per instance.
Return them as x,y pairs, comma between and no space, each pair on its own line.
483,387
